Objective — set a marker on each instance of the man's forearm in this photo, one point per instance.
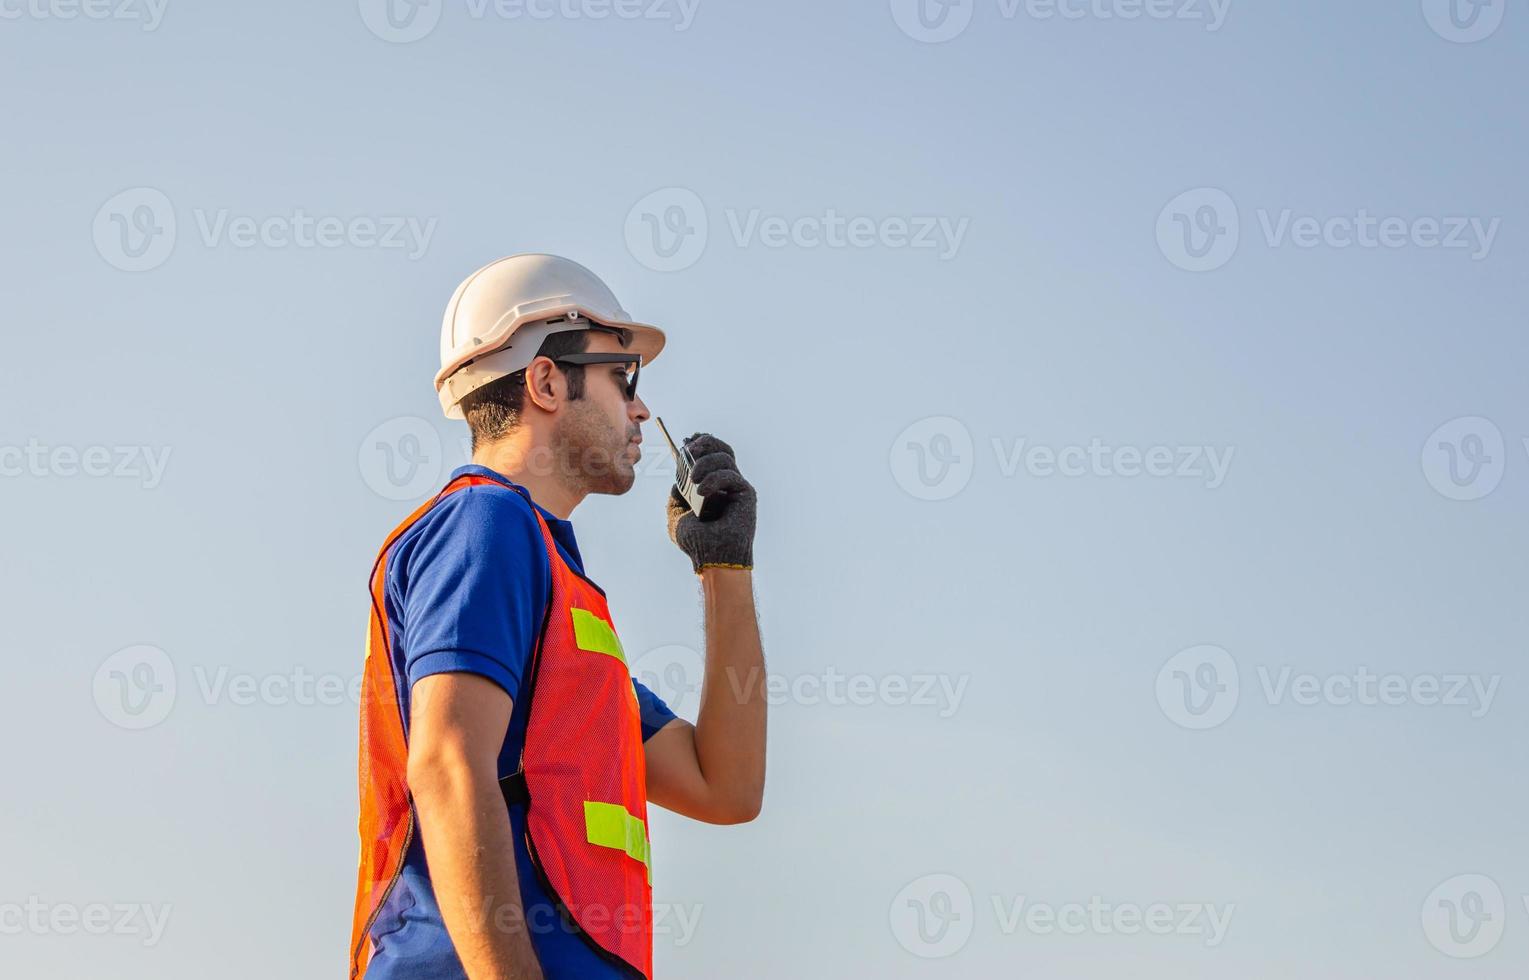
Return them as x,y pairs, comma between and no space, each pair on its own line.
469,844
730,727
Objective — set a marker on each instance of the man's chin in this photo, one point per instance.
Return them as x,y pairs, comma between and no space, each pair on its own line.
621,479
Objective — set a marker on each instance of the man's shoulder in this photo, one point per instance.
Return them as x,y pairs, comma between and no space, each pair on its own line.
486,521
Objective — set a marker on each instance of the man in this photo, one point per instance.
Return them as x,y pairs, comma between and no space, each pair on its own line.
507,755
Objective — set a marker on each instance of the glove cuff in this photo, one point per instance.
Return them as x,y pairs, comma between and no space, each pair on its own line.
725,557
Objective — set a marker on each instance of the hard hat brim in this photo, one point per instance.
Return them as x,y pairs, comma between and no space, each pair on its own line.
647,340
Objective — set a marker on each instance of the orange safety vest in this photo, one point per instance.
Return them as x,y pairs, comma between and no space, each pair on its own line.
582,770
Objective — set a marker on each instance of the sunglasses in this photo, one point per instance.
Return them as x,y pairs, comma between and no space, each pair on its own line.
633,364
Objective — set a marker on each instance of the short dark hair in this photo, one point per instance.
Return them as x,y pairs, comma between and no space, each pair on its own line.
493,410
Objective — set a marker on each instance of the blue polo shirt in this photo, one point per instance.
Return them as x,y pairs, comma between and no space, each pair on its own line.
467,586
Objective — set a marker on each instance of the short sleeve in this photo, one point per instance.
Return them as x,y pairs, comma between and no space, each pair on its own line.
655,714
477,582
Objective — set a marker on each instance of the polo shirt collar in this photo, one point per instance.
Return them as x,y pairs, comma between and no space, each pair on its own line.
473,469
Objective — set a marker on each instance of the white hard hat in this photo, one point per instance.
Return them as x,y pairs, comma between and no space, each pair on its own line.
499,316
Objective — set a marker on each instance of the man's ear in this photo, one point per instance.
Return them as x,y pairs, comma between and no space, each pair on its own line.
545,386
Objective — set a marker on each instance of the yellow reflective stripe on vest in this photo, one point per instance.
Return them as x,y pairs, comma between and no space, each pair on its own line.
609,825
594,634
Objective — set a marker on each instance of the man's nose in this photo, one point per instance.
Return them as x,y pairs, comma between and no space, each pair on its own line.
638,410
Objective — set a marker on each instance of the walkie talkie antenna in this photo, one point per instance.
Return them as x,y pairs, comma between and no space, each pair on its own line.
683,462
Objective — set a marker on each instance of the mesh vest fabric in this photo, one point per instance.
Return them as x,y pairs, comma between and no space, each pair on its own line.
586,773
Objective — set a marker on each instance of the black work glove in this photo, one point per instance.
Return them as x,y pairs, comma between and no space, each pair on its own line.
723,536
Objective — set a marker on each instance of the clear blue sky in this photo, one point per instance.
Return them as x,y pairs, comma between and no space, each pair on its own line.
963,249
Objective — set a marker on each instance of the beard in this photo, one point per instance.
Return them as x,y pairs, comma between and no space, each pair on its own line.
592,455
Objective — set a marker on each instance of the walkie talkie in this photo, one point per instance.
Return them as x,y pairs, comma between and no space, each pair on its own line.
683,462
